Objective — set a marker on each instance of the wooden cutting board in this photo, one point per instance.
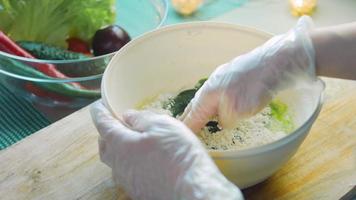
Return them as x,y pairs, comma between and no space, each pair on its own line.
61,161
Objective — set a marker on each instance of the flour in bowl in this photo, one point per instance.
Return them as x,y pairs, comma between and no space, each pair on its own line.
250,132
271,124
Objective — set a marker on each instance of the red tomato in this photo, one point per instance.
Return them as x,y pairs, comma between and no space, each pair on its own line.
78,45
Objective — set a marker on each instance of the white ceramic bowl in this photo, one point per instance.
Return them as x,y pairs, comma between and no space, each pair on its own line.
176,57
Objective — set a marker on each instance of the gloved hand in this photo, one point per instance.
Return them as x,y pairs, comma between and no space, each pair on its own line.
245,85
157,157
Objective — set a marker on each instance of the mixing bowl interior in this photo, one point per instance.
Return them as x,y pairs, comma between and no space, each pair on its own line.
171,59
183,56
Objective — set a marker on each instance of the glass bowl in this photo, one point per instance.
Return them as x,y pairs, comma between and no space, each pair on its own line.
57,97
188,52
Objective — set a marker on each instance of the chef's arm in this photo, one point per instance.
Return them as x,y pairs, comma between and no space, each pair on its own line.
335,51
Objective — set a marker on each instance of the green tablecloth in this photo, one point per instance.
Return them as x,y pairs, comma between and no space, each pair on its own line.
18,118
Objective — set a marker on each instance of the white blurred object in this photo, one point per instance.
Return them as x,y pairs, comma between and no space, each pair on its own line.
274,15
186,7
302,7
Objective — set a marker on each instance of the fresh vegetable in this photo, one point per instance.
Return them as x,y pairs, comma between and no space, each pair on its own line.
49,52
8,46
75,69
52,22
78,45
66,89
278,110
109,39
34,89
200,83
180,102
85,68
282,119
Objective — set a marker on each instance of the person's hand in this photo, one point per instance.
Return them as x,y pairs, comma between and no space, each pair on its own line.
157,157
245,85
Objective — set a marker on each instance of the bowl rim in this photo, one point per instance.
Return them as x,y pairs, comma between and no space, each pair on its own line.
218,154
75,79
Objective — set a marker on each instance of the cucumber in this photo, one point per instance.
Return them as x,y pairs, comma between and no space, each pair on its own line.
72,69
49,52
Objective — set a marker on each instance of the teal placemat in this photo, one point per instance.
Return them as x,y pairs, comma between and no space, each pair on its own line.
18,118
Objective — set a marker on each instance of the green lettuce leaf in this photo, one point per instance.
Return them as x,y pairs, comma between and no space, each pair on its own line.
53,21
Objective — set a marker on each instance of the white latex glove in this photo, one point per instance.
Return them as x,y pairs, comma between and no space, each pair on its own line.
157,157
245,85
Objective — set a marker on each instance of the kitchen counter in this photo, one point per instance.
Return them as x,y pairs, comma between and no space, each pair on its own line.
61,161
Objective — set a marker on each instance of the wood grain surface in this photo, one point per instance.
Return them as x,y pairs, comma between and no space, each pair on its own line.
61,161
